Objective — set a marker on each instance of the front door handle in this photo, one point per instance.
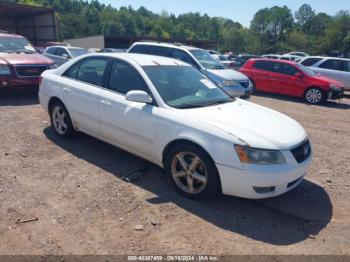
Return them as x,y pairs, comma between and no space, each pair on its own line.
105,103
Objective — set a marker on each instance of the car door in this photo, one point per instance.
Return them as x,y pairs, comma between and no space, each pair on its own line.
129,124
82,86
50,53
62,55
261,73
284,80
337,69
346,72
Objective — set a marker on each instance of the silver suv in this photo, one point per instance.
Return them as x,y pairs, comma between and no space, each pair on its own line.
332,67
233,82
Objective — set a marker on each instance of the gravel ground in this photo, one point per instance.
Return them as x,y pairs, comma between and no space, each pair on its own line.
74,191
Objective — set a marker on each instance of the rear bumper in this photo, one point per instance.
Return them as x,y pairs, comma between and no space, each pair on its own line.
18,82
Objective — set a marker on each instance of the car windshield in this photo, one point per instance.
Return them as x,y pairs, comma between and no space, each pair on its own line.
15,44
185,87
206,59
75,52
306,70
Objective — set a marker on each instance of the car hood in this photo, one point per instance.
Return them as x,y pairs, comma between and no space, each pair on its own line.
257,126
25,59
327,80
226,74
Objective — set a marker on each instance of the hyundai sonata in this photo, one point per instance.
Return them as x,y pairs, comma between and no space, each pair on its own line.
169,113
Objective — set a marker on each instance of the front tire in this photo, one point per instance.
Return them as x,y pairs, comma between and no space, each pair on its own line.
60,120
314,96
192,172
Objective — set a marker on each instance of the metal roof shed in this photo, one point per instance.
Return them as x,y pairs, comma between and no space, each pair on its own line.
37,24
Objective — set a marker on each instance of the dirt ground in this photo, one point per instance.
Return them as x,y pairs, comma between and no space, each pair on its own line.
74,189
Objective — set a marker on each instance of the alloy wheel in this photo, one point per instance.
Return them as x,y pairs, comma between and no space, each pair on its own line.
314,96
59,120
189,172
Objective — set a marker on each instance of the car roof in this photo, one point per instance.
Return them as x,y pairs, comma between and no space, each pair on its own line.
274,60
10,35
144,60
69,47
170,45
328,57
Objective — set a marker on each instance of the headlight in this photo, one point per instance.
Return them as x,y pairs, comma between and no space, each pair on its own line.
53,66
259,156
229,83
5,70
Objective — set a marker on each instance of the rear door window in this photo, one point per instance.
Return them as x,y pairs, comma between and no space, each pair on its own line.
264,65
51,51
159,50
139,49
92,70
333,64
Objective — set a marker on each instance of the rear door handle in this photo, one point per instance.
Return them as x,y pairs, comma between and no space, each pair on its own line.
105,103
66,89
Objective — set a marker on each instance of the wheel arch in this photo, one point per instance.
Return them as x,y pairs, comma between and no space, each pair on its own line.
180,141
316,86
52,100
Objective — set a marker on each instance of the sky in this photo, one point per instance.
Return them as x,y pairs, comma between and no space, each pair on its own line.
235,10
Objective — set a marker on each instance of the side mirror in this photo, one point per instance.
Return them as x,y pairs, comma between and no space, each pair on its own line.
299,75
138,96
66,56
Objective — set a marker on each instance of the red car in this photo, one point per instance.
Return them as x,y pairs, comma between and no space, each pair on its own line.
20,64
290,78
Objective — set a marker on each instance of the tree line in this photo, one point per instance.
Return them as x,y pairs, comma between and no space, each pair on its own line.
272,30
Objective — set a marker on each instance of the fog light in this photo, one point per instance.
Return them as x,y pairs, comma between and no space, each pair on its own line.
4,83
262,190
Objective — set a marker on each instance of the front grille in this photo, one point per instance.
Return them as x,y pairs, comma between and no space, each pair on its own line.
244,84
302,152
30,70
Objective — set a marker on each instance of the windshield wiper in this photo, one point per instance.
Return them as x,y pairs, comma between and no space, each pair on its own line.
186,106
218,67
204,104
219,102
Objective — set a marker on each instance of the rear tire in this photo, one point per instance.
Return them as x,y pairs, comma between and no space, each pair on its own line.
314,96
192,172
60,120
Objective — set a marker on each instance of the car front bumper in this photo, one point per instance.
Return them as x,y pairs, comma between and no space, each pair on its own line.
263,181
18,82
334,93
238,91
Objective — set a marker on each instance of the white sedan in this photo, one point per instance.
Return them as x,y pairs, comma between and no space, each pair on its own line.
169,113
